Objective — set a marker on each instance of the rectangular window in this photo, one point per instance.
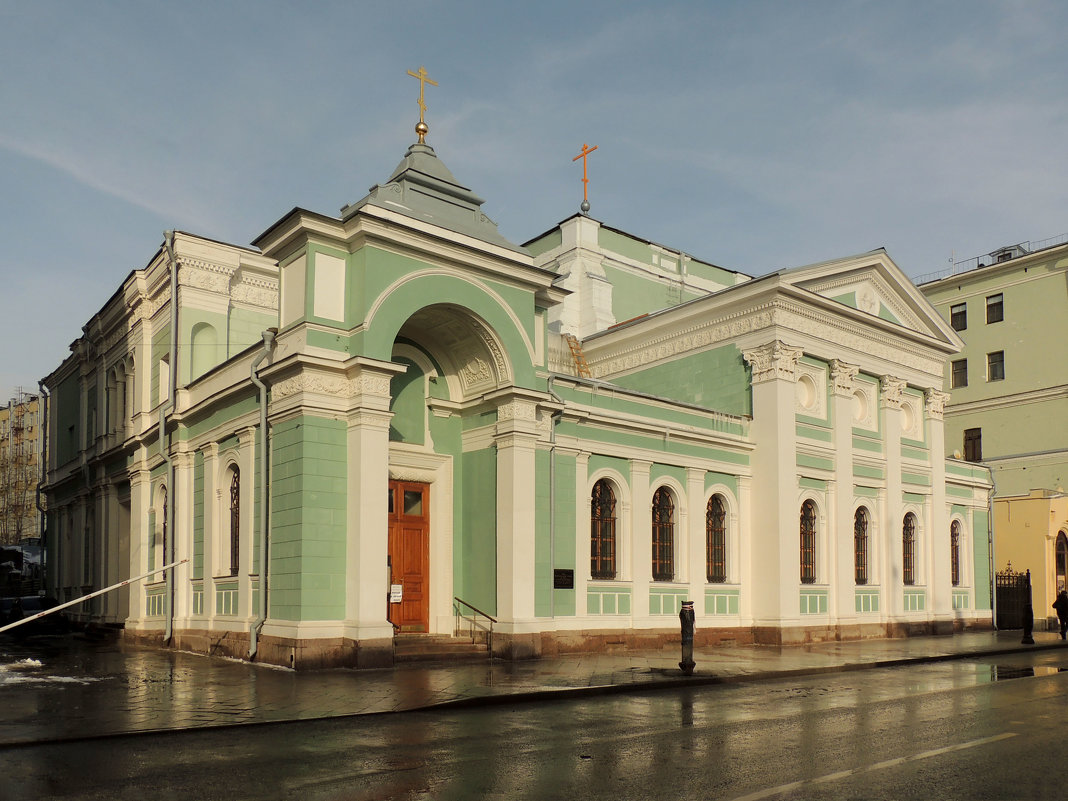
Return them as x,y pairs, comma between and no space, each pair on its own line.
973,444
995,308
958,316
958,376
995,366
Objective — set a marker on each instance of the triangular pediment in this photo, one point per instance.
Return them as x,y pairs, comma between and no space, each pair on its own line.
872,284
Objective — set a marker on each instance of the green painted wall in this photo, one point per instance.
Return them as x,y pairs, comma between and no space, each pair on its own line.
981,558
308,505
476,558
563,510
246,328
716,379
408,404
201,343
68,433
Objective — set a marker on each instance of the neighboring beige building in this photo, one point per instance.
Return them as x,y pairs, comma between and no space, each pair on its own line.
20,444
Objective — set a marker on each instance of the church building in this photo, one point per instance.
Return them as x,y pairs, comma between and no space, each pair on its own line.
394,422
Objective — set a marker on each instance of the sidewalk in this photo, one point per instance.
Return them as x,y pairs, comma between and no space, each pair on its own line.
56,689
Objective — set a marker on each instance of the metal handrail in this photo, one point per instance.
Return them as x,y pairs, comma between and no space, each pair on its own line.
473,620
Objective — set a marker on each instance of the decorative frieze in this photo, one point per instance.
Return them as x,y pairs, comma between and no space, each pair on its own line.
773,360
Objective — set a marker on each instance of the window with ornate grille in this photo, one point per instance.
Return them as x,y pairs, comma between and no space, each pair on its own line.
603,531
908,545
954,552
808,543
860,545
663,535
716,540
235,520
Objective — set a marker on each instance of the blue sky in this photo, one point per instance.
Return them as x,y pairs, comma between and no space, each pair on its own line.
755,135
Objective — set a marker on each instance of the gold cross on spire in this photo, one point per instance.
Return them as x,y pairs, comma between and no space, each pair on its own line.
422,128
585,181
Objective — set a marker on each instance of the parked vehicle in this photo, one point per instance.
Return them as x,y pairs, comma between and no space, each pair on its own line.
20,607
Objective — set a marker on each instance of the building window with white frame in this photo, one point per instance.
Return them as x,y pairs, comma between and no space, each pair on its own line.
954,552
958,374
603,531
995,366
995,308
716,540
235,520
908,547
860,545
808,542
663,535
958,316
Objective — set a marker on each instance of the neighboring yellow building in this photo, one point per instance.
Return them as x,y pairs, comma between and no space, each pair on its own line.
1032,534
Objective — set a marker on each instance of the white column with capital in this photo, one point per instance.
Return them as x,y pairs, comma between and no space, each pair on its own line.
696,573
367,512
940,582
843,378
774,577
516,439
890,389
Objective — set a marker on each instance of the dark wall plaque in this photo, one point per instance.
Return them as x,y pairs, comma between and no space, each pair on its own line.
563,579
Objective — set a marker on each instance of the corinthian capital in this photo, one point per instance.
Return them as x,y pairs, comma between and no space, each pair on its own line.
773,360
936,403
892,388
843,377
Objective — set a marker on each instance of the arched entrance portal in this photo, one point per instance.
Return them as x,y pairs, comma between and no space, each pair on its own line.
442,514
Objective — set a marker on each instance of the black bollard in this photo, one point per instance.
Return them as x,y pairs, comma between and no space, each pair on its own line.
1028,624
686,620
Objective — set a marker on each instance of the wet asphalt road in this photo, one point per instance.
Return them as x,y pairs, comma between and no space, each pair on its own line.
968,729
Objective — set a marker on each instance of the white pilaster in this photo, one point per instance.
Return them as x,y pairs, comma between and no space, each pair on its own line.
775,566
516,483
890,389
940,584
844,581
641,538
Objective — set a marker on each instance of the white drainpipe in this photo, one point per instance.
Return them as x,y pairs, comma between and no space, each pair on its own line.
166,408
256,626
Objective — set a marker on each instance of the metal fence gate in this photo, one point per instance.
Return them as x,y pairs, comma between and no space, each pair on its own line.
1013,594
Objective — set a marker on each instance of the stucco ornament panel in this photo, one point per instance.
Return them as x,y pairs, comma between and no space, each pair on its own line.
252,295
369,384
203,278
773,360
517,410
311,382
892,389
412,474
491,344
685,341
843,378
936,403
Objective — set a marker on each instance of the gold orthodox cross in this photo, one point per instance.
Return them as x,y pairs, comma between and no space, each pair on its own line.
585,180
422,128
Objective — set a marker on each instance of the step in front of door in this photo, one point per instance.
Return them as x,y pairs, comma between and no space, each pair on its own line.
432,648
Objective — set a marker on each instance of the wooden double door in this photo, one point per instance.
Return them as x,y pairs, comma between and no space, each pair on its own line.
409,555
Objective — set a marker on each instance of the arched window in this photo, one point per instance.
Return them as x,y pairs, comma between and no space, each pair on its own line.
716,539
1062,560
908,547
235,520
954,552
860,545
808,543
663,535
603,531
160,556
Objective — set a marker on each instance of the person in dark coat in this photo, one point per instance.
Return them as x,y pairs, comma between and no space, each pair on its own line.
1061,605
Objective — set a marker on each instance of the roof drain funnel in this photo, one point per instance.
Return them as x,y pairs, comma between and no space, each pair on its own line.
256,626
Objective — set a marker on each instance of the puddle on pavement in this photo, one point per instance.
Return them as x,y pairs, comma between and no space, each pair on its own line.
1004,672
33,671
